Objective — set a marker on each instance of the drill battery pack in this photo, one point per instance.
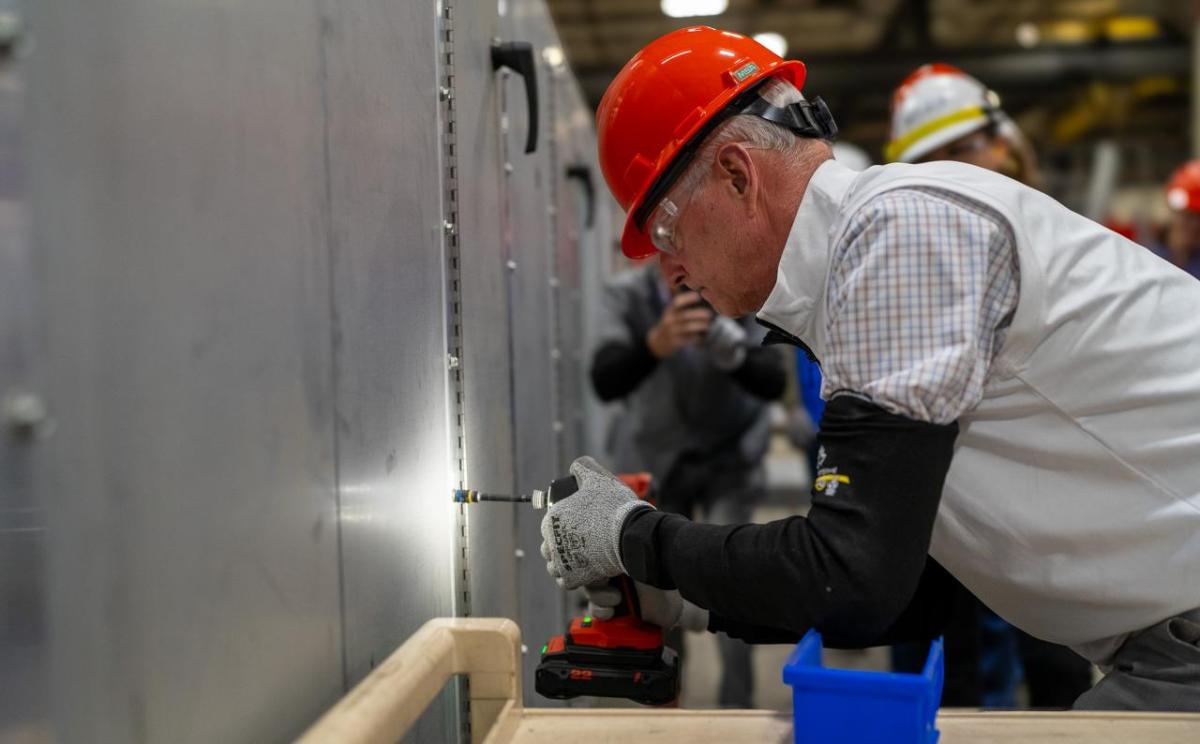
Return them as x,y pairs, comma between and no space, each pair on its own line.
620,658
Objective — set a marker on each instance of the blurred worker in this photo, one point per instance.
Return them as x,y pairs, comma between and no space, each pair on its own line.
1013,391
941,113
1183,229
695,387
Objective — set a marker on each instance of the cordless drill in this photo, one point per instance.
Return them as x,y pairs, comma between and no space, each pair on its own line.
621,657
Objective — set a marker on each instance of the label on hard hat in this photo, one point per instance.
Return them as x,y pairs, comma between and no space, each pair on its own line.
1177,199
745,71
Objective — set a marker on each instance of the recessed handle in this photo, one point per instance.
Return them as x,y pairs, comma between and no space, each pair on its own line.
518,57
584,174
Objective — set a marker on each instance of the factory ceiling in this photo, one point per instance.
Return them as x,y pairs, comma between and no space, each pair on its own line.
1070,70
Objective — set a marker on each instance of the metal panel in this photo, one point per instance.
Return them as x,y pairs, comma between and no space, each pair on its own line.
593,220
529,218
485,362
24,649
568,228
180,202
385,245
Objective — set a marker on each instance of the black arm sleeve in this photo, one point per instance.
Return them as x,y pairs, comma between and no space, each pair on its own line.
618,368
849,569
763,373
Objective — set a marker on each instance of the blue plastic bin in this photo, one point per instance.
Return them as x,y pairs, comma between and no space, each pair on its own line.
838,706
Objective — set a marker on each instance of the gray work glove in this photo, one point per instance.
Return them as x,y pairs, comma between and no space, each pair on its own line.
581,535
664,608
726,343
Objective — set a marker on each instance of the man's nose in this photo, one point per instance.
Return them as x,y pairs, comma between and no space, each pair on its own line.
672,270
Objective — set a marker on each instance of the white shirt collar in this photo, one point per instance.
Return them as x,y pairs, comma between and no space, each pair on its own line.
800,280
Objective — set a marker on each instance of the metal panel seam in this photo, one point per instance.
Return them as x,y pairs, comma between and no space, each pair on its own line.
330,240
462,594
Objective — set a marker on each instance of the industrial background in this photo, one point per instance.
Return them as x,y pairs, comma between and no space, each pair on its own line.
276,276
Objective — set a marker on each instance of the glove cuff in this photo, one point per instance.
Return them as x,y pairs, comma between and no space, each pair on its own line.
618,516
693,617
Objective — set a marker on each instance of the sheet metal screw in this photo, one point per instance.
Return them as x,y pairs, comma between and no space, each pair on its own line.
452,362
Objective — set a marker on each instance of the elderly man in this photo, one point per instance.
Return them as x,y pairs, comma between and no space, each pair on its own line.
1013,390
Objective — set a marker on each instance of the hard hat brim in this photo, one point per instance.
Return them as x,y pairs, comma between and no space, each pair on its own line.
941,138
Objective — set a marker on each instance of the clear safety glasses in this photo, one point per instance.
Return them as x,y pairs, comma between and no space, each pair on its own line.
663,224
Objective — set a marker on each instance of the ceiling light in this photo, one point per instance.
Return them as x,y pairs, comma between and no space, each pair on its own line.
553,56
691,8
1070,31
1132,28
773,41
1028,34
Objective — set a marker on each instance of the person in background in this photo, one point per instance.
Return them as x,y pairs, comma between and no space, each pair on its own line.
1183,227
941,113
695,388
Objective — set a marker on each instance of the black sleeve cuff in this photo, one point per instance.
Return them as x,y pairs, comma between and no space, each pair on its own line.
763,374
639,547
618,368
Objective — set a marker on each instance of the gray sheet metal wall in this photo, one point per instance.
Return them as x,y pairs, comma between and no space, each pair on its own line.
388,330
24,650
181,219
284,293
534,181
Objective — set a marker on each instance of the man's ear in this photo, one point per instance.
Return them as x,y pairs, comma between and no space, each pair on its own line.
734,167
737,171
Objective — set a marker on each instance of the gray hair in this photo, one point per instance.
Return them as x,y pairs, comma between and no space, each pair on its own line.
744,128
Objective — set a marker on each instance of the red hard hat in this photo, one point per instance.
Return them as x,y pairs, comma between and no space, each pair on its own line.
662,99
1183,190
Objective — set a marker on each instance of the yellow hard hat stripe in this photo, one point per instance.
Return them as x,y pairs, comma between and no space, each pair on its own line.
897,146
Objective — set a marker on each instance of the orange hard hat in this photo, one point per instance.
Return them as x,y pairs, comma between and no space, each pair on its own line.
668,98
1183,190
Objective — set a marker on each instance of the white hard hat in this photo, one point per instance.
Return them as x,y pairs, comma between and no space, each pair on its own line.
934,106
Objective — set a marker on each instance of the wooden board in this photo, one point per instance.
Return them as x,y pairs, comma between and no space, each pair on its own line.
648,726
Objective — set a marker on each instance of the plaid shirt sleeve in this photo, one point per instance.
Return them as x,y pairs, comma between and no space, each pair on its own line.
923,284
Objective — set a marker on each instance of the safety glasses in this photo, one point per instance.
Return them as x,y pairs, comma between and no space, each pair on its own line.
662,226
